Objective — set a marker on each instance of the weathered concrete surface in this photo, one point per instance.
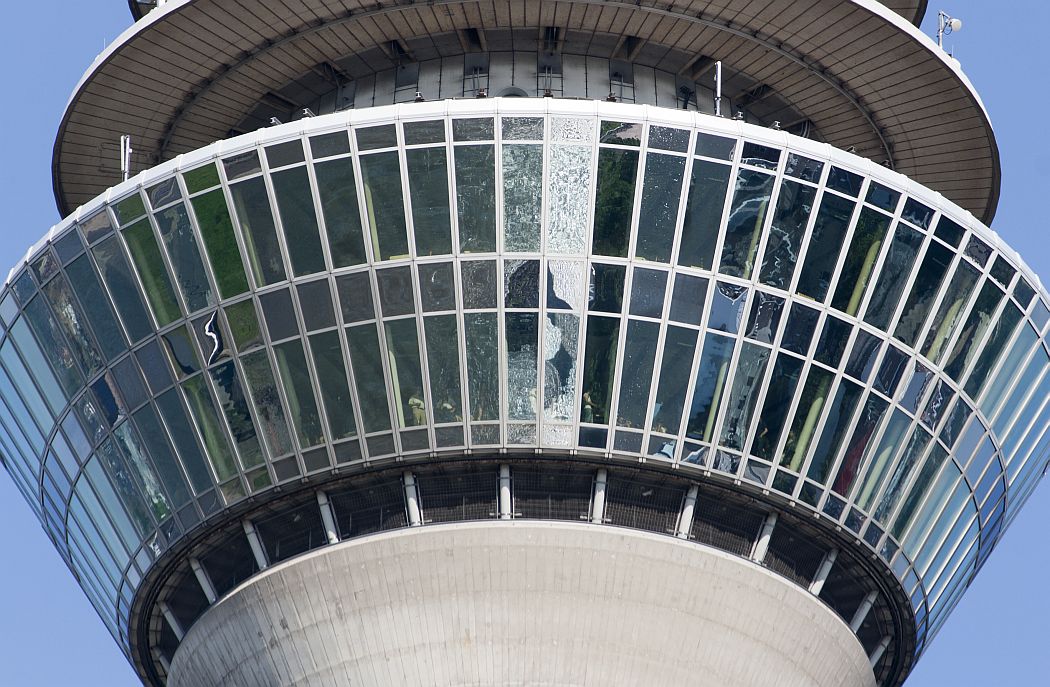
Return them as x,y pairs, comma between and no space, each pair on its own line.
519,603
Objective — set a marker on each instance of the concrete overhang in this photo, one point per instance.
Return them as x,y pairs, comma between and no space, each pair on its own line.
870,81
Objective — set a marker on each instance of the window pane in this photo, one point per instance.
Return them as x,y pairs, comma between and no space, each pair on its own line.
893,276
639,357
185,440
973,330
950,311
522,342
384,205
177,234
259,376
840,412
116,275
367,364
807,414
710,385
402,344
599,368
750,371
829,232
658,216
568,194
860,260
295,376
437,286
476,198
522,176
443,366
860,445
747,215
482,340
677,363
786,372
342,215
561,351
252,205
335,392
145,253
100,316
220,244
231,398
428,187
786,233
68,317
207,416
703,213
295,203
614,202
1002,330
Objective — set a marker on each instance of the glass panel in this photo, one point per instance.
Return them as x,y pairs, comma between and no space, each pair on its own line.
372,137
801,325
428,188
829,232
327,145
220,244
280,314
68,317
145,254
893,276
764,321
337,190
128,209
177,234
476,198
807,414
395,291
295,377
163,458
335,392
295,205
973,330
315,303
284,154
443,366
367,364
606,291
252,205
708,186
709,387
522,176
977,250
472,129
231,398
355,297
599,368
833,340
728,305
689,299
845,182
614,202
667,138
244,325
521,283
679,345
747,215
658,216
561,342
259,376
437,286
1002,329
138,460
53,344
479,284
1007,374
522,128
715,146
860,445
201,178
522,341
917,213
860,260
840,412
895,487
639,357
403,355
803,168
482,340
786,233
647,292
384,205
882,197
568,196
923,483
242,164
40,370
621,133
205,413
759,155
750,371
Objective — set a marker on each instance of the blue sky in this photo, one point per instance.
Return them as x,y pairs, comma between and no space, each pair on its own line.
50,635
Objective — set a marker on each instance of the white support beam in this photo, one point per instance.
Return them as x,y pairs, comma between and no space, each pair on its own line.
685,518
253,541
598,502
327,518
862,611
758,555
879,650
203,580
823,571
415,519
505,502
173,623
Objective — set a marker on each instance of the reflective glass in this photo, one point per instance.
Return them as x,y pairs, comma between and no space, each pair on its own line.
862,357
822,254
973,330
893,276
522,197
786,233
568,197
606,290
861,444
443,366
836,424
244,325
1002,330
479,284
302,406
367,364
145,254
747,215
708,187
267,400
185,440
861,256
658,215
747,381
803,168
280,314
68,316
395,291
709,387
614,201
337,190
919,488
177,234
728,305
482,341
801,325
688,299
205,413
717,147
832,342
1007,373
639,355
220,243
242,164
201,178
384,205
844,181
329,362
811,401
428,189
647,292
315,304
284,154
522,332
472,129
232,400
621,133
521,283
328,145
599,368
355,297
764,320
561,342
167,469
522,128
476,197
295,206
437,286
910,457
402,343
666,138
372,137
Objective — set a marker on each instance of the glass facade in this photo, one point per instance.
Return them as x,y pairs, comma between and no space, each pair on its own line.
566,278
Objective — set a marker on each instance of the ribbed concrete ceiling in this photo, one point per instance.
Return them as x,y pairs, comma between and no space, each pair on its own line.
182,77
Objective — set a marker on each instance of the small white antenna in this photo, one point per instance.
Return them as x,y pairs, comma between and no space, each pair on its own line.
125,157
946,25
718,88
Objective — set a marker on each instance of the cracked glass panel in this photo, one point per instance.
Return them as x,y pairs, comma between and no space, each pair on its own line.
522,197
565,285
568,194
561,334
522,340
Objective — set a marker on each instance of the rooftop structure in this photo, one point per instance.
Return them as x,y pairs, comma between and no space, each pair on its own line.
464,344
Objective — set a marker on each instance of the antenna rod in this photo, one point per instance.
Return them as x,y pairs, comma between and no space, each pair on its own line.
125,157
718,88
